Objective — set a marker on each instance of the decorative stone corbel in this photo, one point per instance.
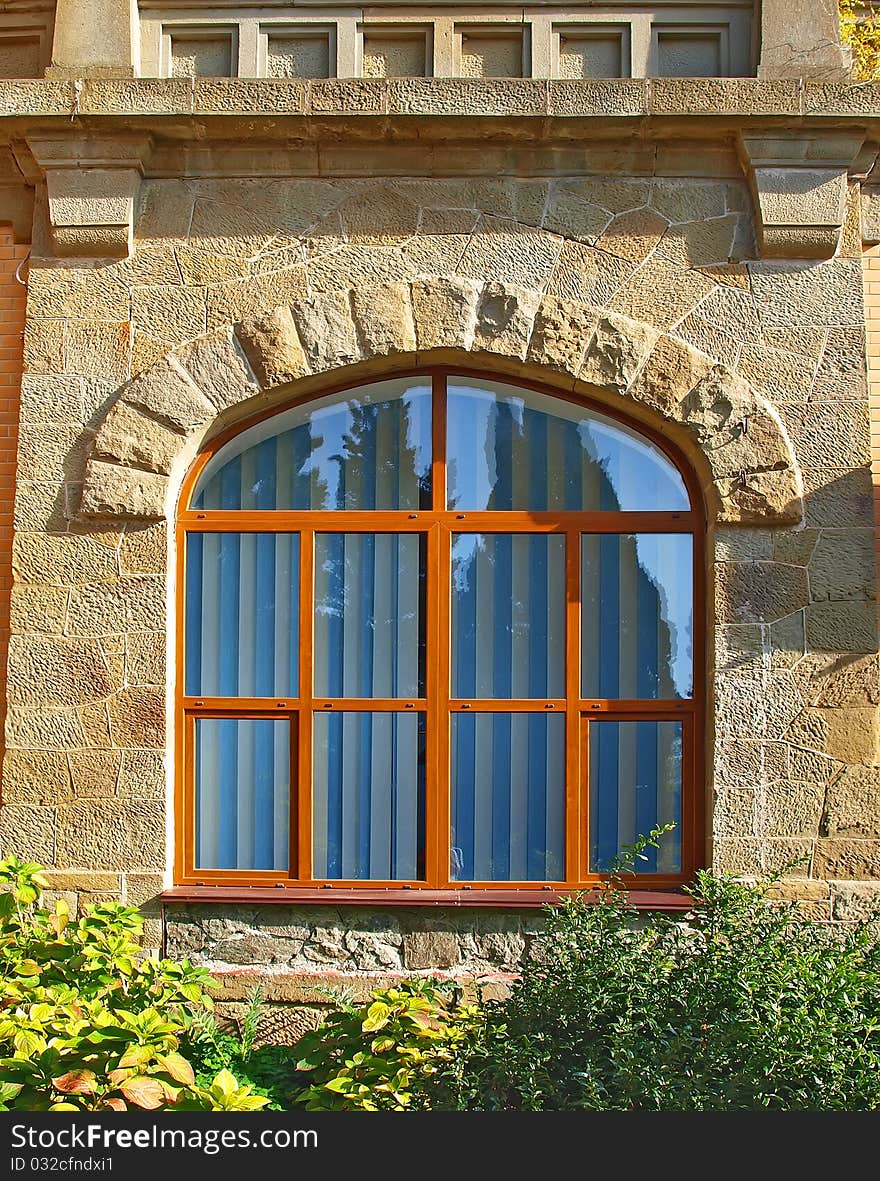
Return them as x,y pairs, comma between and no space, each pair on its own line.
92,187
799,185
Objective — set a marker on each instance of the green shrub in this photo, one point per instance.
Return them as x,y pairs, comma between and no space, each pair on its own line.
739,1005
86,1021
408,1049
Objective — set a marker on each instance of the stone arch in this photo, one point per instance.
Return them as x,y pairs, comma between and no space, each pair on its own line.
750,472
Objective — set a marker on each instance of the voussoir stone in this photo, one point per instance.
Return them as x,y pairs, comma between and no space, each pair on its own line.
617,351
218,366
445,313
166,392
762,497
113,491
383,318
131,438
327,331
272,346
505,318
670,373
561,334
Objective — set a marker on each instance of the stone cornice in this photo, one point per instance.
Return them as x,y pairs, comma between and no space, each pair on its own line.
163,101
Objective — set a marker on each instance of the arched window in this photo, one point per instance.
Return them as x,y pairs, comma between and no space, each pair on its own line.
438,632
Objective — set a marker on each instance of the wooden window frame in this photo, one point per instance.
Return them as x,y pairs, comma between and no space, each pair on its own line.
439,524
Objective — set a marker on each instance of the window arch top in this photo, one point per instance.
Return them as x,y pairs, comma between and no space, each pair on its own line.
377,447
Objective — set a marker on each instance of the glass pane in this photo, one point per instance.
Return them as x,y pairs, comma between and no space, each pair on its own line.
369,796
369,614
508,615
635,785
510,448
368,448
242,793
637,628
508,797
242,614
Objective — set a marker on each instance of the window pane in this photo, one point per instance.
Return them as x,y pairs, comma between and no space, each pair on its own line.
508,797
369,614
510,448
369,448
638,621
369,796
242,614
508,615
242,793
635,785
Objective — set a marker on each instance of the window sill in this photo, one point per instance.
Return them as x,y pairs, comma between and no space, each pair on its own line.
668,900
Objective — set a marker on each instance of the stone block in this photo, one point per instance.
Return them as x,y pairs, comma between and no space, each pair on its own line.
27,833
94,773
168,394
144,549
145,658
143,890
733,813
137,717
47,451
272,347
38,610
505,318
218,366
843,566
847,859
796,294
383,319
57,400
848,734
35,777
561,334
97,349
633,235
672,370
445,313
791,810
504,251
430,949
77,293
853,903
762,497
829,435
661,293
56,671
142,774
852,804
838,497
111,834
758,592
700,243
852,681
463,96
616,353
587,276
327,331
842,627
132,439
115,492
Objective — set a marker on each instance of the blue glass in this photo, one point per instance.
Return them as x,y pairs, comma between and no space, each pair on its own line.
363,449
369,614
242,770
369,796
508,615
513,449
635,785
637,625
242,614
508,797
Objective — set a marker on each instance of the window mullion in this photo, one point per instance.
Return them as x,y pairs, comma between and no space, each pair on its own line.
576,813
437,778
301,804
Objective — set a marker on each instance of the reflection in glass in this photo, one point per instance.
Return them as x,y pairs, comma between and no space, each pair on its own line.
369,796
369,448
510,448
242,793
635,785
508,615
637,625
369,614
242,614
508,797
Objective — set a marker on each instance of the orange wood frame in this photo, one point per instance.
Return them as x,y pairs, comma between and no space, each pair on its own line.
439,524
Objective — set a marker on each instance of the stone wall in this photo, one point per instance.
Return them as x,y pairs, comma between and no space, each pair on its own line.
641,289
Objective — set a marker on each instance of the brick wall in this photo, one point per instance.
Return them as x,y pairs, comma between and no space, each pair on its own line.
871,261
13,296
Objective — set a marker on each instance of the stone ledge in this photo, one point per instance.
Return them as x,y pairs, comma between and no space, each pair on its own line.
621,98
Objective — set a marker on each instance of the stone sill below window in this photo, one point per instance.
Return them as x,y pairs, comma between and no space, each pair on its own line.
667,900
